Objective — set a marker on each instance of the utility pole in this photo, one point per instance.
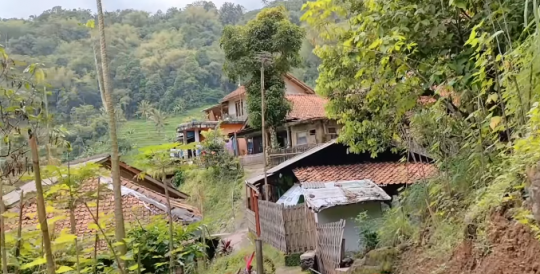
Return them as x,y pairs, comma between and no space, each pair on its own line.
265,58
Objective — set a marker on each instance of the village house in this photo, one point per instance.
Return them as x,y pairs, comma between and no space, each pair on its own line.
336,185
305,126
142,198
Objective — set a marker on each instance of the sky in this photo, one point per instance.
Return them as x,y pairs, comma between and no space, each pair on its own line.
25,8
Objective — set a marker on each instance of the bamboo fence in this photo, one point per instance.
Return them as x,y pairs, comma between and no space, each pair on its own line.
330,246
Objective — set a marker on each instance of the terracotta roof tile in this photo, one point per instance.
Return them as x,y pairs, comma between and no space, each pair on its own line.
385,173
241,90
306,107
135,209
426,100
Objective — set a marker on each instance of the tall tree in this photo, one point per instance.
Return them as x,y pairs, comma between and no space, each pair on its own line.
144,109
380,57
230,13
270,32
21,109
120,231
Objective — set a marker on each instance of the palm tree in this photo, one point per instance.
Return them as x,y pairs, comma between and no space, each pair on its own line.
120,231
179,107
158,117
144,109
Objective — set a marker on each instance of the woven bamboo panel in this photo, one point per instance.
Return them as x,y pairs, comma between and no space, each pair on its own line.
329,246
250,217
272,225
300,229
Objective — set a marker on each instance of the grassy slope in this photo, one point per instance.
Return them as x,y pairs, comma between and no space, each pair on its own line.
143,133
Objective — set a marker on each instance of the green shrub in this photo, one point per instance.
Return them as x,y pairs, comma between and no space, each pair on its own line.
149,246
369,239
292,259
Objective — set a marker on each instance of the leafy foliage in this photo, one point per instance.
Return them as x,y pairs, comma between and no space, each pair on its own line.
459,78
150,247
272,33
368,231
216,157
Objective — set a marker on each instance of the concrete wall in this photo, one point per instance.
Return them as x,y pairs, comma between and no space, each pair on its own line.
349,214
321,131
292,88
232,107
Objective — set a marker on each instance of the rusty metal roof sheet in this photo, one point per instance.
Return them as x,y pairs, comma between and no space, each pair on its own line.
323,195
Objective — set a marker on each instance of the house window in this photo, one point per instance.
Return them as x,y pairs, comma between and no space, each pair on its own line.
301,138
239,105
312,132
332,130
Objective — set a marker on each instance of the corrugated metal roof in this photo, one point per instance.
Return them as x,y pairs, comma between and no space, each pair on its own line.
323,195
15,195
254,180
343,193
291,196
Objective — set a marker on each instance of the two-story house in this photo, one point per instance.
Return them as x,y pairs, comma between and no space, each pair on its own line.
305,125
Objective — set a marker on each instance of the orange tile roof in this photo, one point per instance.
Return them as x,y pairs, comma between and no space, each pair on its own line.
139,206
385,173
305,107
426,100
240,91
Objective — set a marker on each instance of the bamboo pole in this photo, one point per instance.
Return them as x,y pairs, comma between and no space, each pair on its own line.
3,231
19,229
120,230
171,223
42,214
73,223
97,220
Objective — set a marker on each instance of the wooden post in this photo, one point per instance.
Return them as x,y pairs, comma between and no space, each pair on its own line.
257,215
237,146
263,127
259,256
289,140
342,252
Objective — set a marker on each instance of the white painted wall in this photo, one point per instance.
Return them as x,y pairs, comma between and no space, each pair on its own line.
232,109
292,88
349,214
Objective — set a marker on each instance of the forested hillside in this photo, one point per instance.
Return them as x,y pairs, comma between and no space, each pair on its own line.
171,59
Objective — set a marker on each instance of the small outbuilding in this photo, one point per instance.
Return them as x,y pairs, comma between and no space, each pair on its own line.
341,200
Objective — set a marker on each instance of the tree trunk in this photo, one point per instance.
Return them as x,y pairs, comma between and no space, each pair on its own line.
534,189
171,223
273,137
73,225
96,240
99,76
120,231
42,214
19,230
3,231
48,145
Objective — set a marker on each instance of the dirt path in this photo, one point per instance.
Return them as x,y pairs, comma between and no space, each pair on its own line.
239,239
289,270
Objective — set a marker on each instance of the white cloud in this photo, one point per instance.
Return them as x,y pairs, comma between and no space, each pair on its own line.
25,8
